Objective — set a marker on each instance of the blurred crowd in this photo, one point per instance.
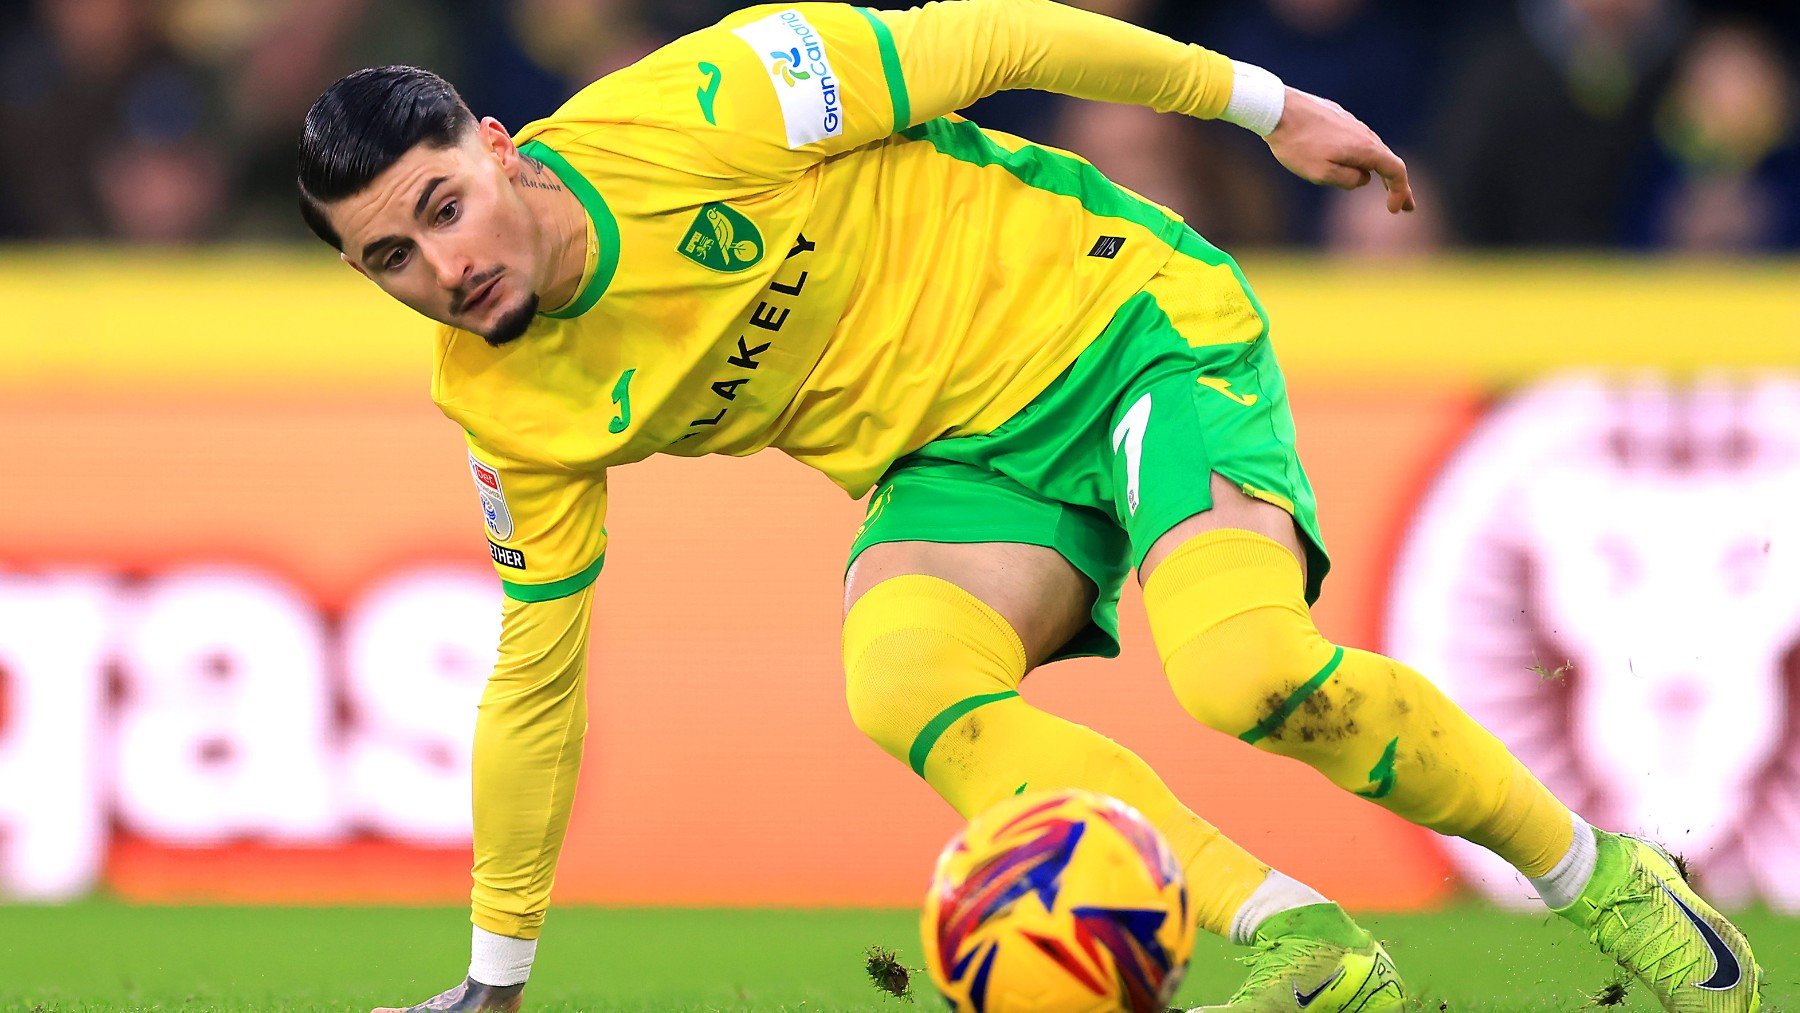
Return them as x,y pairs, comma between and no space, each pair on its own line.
1667,125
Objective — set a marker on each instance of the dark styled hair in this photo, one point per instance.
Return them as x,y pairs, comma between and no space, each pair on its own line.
362,125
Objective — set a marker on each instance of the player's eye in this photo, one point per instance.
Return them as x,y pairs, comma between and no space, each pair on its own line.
447,213
395,259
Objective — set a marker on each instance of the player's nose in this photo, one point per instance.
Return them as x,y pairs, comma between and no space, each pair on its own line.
449,268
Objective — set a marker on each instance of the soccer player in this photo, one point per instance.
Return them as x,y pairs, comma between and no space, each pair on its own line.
777,233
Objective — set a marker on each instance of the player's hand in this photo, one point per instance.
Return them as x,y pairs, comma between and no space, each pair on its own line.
469,997
1321,143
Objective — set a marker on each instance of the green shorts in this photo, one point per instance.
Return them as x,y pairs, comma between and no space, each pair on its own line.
1111,455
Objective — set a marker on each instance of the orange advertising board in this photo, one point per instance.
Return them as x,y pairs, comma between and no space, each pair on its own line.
184,453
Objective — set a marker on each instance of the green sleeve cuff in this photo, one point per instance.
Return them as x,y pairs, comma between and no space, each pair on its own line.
556,588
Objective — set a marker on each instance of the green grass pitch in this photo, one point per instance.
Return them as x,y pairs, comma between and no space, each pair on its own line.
101,956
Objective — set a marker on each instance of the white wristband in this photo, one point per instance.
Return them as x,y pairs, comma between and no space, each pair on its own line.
1257,99
500,960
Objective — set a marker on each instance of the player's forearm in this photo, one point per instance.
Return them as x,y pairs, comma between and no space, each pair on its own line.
528,739
958,51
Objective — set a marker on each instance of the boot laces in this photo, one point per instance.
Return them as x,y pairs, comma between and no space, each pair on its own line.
1273,959
1659,956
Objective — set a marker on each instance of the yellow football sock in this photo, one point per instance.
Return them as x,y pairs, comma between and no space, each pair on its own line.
1242,653
933,676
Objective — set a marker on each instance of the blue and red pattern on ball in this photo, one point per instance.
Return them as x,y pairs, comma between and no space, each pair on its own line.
1159,861
1139,960
1035,866
1128,935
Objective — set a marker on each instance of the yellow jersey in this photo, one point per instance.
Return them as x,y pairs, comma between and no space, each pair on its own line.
795,243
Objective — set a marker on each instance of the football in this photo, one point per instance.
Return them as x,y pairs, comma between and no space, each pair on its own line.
1058,902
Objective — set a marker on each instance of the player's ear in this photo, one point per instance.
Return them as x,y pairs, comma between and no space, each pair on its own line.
493,136
344,255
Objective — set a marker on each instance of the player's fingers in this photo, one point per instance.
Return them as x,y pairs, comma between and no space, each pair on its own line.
1345,177
1394,177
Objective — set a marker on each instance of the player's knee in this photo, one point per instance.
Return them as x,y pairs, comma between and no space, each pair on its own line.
1256,672
915,646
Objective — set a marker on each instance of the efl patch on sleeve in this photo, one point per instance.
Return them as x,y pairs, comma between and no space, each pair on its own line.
493,498
793,52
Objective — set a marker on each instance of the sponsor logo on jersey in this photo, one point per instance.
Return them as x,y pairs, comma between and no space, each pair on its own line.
493,498
723,240
771,314
505,556
793,52
786,67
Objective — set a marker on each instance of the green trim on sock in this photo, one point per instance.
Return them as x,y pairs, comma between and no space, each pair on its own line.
1383,772
1292,704
928,736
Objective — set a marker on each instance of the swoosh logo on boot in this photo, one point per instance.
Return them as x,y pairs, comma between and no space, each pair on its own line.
1305,999
1727,972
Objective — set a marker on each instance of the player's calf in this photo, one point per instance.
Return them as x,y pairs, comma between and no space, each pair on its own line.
1243,656
469,997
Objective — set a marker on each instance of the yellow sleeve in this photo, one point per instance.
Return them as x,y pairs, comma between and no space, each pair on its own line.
954,52
772,90
529,734
546,528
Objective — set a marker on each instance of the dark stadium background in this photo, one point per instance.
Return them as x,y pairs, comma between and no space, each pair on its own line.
173,122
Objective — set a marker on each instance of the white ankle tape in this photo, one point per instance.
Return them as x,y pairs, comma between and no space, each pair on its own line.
1562,885
1277,893
500,960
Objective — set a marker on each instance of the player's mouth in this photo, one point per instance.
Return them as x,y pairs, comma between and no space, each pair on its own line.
479,297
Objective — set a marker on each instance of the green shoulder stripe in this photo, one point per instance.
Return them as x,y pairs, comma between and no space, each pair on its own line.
556,588
1052,172
1065,176
606,230
890,68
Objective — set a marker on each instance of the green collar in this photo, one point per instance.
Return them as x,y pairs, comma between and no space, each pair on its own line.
606,227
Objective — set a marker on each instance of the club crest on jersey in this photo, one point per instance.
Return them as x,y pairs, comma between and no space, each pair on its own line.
493,499
722,239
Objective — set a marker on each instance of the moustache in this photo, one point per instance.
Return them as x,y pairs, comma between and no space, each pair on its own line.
460,297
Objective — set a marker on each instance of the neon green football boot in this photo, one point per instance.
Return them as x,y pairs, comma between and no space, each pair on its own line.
1640,911
1314,959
